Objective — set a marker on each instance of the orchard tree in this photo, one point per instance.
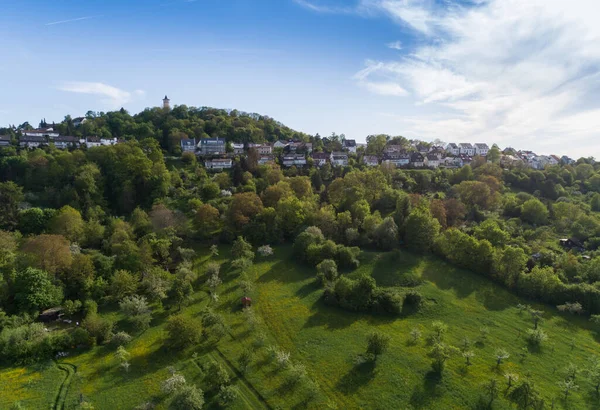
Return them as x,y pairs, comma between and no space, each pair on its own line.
188,397
182,332
181,292
377,344
499,355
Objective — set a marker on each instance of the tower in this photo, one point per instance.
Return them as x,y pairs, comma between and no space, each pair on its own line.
166,103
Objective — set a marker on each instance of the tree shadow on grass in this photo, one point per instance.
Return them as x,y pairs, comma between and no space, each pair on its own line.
360,375
330,317
397,269
446,277
307,289
423,396
493,298
286,272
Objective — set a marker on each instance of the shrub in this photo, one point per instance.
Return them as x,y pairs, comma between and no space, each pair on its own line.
173,384
536,336
98,328
81,337
413,298
120,339
189,397
182,331
377,343
327,271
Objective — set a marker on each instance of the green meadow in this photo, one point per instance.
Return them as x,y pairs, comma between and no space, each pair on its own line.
327,341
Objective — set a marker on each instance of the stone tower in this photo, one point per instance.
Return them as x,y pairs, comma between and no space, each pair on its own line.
166,104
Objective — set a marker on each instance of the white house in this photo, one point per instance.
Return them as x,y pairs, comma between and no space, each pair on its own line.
280,144
349,145
453,149
339,159
466,149
481,149
218,163
390,149
78,121
432,161
108,141
91,142
262,149
371,160
266,159
42,132
319,158
33,141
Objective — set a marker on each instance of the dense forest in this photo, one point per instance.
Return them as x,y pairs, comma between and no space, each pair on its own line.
87,228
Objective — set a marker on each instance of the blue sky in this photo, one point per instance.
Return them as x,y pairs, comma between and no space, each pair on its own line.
521,74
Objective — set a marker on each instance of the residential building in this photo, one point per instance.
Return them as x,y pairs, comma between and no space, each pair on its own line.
108,141
466,149
298,160
280,144
339,159
4,140
319,158
42,132
349,145
481,149
33,141
422,148
92,142
212,146
438,152
188,145
390,149
452,162
66,142
303,147
417,160
266,159
566,160
452,149
510,160
553,160
371,160
432,161
262,149
218,164
78,121
398,159
237,148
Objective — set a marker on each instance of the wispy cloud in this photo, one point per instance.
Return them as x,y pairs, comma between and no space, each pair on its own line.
112,96
72,20
506,71
395,45
329,6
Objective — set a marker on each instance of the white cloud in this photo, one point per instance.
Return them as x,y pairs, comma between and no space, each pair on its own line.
113,96
507,71
395,45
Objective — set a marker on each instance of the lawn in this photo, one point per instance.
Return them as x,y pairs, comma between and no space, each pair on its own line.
327,340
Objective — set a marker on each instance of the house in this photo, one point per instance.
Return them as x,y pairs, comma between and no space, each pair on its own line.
188,145
510,160
42,132
237,148
422,148
370,160
452,162
453,149
266,159
349,145
280,144
398,159
319,158
466,148
553,160
66,142
304,147
417,160
34,141
566,160
466,160
4,140
294,159
262,149
108,141
212,146
218,164
572,243
390,149
78,121
432,161
481,149
438,152
91,142
339,159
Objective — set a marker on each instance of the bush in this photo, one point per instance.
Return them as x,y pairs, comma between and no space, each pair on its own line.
189,397
120,339
98,328
413,298
327,271
536,336
182,332
81,337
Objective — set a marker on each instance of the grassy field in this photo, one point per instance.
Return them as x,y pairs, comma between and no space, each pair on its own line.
326,340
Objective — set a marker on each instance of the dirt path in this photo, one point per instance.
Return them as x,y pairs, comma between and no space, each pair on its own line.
69,370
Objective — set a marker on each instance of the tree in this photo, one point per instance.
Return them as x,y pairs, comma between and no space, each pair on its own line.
243,208
68,223
122,357
241,249
415,335
10,196
123,284
181,292
227,395
182,332
494,154
500,354
593,373
567,386
386,234
510,379
440,353
439,330
137,311
188,397
595,202
244,360
51,253
468,355
327,271
33,290
421,230
265,251
32,221
206,220
491,390
173,383
534,212
377,343
217,375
